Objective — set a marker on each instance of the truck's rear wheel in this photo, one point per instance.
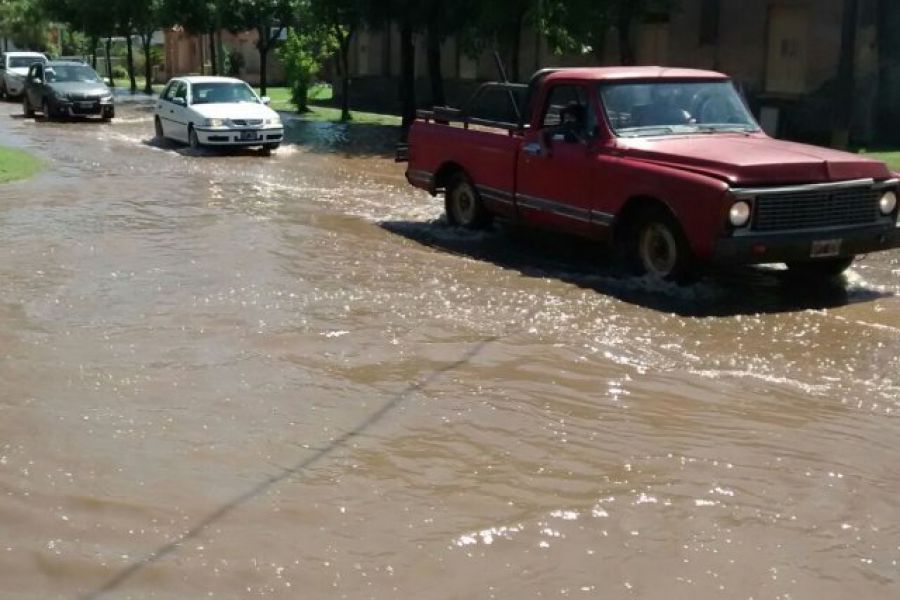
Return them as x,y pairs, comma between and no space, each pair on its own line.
659,248
821,269
464,205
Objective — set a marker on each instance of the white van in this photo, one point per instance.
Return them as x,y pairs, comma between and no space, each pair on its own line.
13,69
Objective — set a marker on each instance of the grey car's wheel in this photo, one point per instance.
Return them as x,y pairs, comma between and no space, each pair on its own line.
3,93
45,109
660,248
26,107
464,205
820,269
193,139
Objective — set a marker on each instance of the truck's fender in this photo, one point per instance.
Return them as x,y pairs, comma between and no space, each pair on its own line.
698,202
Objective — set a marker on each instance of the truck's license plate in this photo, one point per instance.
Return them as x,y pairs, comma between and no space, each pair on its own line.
825,248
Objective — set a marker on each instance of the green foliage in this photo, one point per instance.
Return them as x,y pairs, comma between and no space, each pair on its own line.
24,22
306,48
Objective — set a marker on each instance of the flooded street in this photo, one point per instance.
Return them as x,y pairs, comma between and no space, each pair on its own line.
232,376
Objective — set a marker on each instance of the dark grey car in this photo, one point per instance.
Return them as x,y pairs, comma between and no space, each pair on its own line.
66,89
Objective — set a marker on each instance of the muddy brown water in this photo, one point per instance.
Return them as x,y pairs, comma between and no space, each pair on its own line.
229,376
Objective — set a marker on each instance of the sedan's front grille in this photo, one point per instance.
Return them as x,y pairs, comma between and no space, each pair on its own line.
815,209
246,122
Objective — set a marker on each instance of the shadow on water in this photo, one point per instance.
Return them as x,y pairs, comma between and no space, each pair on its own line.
539,254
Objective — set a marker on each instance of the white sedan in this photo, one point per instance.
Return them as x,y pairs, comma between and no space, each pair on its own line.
216,111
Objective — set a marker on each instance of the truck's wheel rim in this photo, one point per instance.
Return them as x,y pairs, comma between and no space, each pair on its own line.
464,205
658,250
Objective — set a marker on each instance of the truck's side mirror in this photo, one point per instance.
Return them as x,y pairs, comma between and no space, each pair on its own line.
36,80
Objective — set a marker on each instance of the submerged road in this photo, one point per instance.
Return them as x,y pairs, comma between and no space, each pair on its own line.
232,376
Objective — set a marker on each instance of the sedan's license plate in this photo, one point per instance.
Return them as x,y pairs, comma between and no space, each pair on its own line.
85,105
248,135
825,248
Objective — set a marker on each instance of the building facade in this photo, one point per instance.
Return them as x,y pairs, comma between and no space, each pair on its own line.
784,55
188,54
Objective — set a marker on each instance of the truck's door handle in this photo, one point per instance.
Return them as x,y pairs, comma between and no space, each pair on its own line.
532,148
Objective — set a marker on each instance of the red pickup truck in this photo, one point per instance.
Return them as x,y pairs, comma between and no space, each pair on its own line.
666,165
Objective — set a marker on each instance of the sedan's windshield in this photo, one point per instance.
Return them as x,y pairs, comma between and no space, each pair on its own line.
222,93
71,74
647,109
23,62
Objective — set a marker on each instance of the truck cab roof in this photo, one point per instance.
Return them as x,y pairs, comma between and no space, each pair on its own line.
628,73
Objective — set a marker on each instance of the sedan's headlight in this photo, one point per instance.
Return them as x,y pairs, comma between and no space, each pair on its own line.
739,215
887,203
273,121
106,99
215,122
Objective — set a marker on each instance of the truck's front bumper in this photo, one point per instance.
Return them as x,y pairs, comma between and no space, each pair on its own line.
799,247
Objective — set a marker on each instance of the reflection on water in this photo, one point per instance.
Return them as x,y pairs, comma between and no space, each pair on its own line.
234,376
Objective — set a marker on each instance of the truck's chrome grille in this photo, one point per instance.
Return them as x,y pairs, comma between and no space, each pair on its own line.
815,209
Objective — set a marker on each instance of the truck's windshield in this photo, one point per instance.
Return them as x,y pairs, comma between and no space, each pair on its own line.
644,109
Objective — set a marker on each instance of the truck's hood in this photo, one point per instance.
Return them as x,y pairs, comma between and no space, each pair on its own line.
743,160
20,71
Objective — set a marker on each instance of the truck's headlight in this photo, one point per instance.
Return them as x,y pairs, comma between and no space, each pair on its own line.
739,215
887,203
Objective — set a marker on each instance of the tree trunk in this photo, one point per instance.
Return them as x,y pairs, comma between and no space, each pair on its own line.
263,69
407,73
846,79
438,97
625,20
345,77
109,70
515,50
146,39
213,61
129,45
94,43
888,103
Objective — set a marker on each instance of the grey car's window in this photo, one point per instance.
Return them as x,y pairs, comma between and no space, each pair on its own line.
36,71
71,74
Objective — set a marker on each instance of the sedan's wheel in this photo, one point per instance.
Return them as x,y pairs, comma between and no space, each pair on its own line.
157,125
661,249
26,107
464,205
820,269
194,140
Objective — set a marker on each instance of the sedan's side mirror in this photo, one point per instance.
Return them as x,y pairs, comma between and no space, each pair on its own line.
180,101
265,100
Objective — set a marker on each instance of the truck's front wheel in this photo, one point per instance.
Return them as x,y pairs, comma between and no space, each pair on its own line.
464,205
659,248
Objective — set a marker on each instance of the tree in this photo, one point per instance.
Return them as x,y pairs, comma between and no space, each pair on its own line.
307,46
343,19
269,18
147,17
23,22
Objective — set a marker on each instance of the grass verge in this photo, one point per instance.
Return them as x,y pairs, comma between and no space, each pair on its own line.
890,157
16,165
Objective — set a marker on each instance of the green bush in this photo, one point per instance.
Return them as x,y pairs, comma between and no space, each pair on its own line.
119,72
303,53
